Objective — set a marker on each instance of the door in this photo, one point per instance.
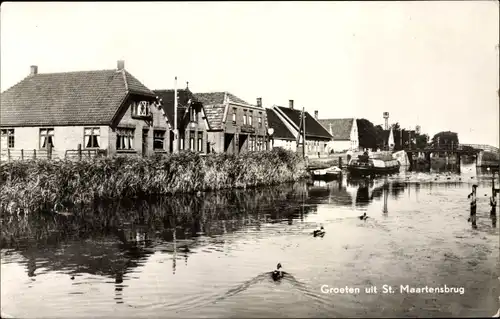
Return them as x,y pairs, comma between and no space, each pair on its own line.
145,134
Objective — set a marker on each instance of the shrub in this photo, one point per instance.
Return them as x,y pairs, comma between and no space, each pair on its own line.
39,184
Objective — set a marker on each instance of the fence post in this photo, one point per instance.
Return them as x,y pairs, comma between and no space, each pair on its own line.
22,154
340,161
49,151
79,152
8,154
34,153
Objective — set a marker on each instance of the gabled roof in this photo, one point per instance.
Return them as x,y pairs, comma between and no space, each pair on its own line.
167,97
280,129
69,98
340,128
215,108
313,128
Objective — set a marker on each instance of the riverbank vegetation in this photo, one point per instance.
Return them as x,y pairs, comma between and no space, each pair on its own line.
34,185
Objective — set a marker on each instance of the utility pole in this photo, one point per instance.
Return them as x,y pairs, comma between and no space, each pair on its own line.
302,133
176,131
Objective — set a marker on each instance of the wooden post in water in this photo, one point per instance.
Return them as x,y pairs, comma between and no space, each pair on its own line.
340,162
22,154
8,154
79,152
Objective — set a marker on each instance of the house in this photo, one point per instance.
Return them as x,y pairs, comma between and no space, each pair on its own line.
281,136
317,137
108,111
192,125
234,126
345,133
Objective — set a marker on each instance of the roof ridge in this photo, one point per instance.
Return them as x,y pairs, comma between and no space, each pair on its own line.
124,79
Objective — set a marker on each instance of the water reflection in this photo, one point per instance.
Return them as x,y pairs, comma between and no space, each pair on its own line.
153,241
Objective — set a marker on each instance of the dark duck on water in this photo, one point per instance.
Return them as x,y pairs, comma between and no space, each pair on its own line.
319,232
277,274
363,217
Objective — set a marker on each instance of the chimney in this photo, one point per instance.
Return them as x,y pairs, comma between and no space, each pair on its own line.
33,70
120,65
259,102
316,114
290,104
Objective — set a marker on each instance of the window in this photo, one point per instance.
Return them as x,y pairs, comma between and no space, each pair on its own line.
250,144
234,115
250,119
200,141
125,138
260,121
7,138
140,108
46,137
158,140
191,140
245,119
91,137
259,144
181,141
193,115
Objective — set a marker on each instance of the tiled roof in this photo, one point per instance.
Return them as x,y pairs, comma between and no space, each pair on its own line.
280,129
212,98
214,107
313,128
341,128
69,98
167,97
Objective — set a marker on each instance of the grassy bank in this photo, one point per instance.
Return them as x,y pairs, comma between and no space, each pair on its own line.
39,184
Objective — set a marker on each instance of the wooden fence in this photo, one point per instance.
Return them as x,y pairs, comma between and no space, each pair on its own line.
7,155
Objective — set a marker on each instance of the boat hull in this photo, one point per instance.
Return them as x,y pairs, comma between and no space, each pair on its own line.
370,171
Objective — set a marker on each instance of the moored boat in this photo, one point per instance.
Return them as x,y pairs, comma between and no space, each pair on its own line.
365,166
330,173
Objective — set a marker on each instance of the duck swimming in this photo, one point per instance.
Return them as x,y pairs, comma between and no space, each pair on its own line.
277,274
363,217
319,232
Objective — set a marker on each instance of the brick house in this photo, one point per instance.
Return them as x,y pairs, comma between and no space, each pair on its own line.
107,110
234,126
317,137
345,133
191,120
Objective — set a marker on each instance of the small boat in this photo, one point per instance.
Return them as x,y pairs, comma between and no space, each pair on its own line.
366,166
331,173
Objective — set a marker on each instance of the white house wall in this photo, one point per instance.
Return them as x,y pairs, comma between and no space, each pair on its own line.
286,144
65,138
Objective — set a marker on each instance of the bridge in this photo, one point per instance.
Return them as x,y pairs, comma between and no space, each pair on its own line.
457,151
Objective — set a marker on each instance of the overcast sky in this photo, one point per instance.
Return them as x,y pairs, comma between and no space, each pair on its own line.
435,64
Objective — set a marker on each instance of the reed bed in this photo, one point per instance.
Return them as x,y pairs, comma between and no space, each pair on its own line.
35,185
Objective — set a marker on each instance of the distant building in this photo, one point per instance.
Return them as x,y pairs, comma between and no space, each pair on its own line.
106,110
234,126
191,120
282,136
344,132
317,137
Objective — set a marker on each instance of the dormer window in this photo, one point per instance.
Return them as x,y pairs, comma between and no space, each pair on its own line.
141,109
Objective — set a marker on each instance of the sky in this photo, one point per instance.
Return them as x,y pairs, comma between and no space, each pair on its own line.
433,63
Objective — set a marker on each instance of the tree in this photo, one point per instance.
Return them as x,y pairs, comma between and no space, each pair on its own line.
445,139
421,140
367,134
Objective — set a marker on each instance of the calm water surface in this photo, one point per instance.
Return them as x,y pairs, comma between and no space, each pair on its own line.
210,255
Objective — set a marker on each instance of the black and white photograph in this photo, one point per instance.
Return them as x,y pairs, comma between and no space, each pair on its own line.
250,159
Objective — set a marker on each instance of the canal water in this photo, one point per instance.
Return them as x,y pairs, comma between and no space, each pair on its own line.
209,255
